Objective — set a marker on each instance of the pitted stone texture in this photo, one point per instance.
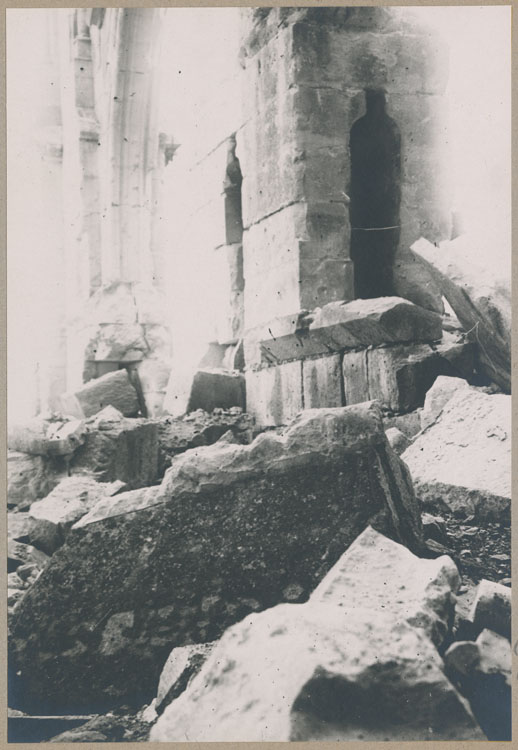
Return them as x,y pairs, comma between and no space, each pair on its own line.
119,449
112,389
355,662
352,325
232,529
481,302
463,460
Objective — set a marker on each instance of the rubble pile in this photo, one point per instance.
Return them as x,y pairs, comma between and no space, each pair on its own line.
344,577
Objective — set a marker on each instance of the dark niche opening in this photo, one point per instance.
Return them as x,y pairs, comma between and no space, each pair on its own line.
232,191
375,192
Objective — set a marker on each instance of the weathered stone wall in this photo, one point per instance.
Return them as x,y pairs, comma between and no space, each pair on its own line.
307,71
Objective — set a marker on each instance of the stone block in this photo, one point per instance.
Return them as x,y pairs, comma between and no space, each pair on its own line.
463,460
125,450
414,282
400,376
352,325
71,499
319,671
237,528
322,382
437,397
274,394
44,536
492,608
28,478
483,671
397,439
409,424
116,343
113,389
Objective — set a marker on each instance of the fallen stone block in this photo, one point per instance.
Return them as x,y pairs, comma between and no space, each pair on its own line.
463,460
398,440
22,527
182,665
355,662
177,435
492,608
347,325
481,302
113,389
65,438
414,282
482,670
30,437
237,528
28,478
73,498
122,449
21,554
438,396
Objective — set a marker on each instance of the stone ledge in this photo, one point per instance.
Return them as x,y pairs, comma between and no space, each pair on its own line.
344,325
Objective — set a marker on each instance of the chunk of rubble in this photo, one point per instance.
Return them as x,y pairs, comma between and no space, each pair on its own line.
463,460
438,396
66,437
21,554
113,389
397,439
182,665
481,302
73,498
29,477
22,527
356,662
482,670
231,529
119,449
492,608
200,428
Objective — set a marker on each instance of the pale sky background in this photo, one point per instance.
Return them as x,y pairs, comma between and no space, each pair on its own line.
198,41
